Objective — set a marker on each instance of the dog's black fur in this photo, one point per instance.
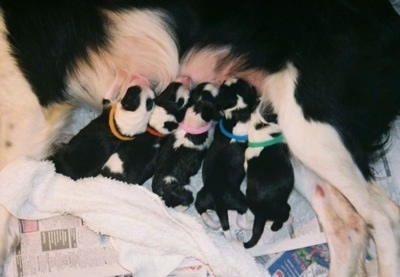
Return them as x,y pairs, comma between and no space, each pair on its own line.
223,168
182,154
341,57
88,151
138,156
328,52
269,173
170,108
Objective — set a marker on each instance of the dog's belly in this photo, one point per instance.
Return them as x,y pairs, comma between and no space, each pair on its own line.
212,65
141,51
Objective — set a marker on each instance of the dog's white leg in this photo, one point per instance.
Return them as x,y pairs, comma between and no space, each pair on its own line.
320,148
9,236
344,229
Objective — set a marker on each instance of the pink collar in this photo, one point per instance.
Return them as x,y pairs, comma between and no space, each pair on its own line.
195,131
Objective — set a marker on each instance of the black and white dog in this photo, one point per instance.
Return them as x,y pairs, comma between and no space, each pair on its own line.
269,173
325,66
89,150
182,154
223,168
134,161
170,107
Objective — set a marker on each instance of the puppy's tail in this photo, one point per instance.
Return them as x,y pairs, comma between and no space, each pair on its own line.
258,230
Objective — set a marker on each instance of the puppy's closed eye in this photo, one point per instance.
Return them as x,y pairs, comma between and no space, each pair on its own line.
261,125
149,104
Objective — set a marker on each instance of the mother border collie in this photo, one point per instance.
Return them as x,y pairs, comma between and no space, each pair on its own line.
329,68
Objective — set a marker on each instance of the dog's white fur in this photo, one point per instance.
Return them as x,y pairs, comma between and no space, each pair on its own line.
325,154
108,76
325,172
332,175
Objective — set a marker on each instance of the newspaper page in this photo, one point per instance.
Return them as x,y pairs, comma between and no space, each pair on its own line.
62,246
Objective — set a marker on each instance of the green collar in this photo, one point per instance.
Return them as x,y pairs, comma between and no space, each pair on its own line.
266,143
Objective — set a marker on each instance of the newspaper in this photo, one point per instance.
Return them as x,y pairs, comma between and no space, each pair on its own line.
62,246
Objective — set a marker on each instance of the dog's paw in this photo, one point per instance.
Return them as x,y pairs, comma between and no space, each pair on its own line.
385,229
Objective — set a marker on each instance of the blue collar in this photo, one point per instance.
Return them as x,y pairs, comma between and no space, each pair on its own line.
230,135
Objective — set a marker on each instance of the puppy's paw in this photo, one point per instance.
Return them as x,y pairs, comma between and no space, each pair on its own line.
276,225
179,197
228,235
245,221
210,222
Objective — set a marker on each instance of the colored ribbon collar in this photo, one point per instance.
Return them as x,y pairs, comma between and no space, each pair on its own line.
154,132
242,138
195,131
114,128
265,143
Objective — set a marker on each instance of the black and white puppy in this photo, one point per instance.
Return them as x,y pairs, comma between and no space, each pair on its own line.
270,177
324,78
87,152
170,106
182,154
134,162
223,168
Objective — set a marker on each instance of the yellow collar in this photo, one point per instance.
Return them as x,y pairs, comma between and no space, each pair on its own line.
113,128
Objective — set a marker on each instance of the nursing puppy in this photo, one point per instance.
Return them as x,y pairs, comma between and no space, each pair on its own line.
87,152
57,57
182,154
135,160
269,173
223,168
170,106
324,78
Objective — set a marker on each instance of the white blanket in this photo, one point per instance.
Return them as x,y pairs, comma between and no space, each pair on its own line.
152,240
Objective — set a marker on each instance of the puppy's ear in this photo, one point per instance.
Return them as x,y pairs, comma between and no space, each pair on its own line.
149,104
170,125
207,111
131,100
250,96
266,110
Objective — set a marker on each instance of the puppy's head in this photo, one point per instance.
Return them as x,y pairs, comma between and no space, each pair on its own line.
263,124
170,107
133,112
236,95
203,101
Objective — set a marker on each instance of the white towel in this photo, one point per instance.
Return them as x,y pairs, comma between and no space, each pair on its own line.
152,240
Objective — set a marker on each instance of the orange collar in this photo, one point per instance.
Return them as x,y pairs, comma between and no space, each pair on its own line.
154,132
113,128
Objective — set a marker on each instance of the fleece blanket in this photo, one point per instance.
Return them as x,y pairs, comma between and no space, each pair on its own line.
152,240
